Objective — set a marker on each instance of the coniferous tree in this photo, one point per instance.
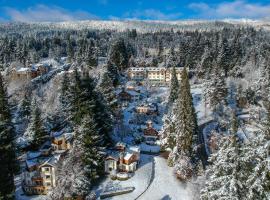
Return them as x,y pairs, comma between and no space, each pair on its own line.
224,180
119,55
36,130
7,150
91,140
25,107
75,94
107,90
174,88
220,90
70,51
185,123
91,57
113,73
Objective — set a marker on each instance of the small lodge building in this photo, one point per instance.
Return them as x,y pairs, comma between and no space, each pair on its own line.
123,159
61,141
128,96
149,133
149,109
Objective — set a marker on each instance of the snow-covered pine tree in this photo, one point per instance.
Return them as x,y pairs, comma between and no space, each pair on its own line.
90,140
77,173
91,56
108,92
258,183
8,165
70,51
36,131
174,88
119,55
75,92
226,175
113,73
185,125
185,117
220,91
65,101
25,107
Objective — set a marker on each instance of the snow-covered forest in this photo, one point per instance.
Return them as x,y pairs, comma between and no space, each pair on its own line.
69,103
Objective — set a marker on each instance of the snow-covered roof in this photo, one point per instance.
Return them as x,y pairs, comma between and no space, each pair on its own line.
128,155
133,93
57,134
46,146
33,154
134,148
31,163
113,155
23,69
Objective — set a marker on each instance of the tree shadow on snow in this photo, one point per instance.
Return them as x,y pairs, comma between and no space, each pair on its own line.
166,197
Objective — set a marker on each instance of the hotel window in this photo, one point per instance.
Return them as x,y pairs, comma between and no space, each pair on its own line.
47,176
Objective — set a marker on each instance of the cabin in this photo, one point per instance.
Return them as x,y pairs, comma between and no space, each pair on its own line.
149,109
150,134
61,141
122,160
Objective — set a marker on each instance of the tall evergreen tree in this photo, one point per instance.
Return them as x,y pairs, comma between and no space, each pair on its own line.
174,88
7,149
36,129
185,123
75,93
25,107
91,139
119,55
113,73
225,181
108,91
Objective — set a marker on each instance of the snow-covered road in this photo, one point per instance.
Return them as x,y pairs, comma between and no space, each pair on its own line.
165,186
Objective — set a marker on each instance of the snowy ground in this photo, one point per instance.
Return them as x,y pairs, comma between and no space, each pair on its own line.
203,114
140,180
163,185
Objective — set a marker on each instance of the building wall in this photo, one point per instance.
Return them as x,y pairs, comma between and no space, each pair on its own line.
153,74
110,164
48,175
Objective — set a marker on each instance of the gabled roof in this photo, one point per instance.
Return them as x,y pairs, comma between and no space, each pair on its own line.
128,155
150,132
